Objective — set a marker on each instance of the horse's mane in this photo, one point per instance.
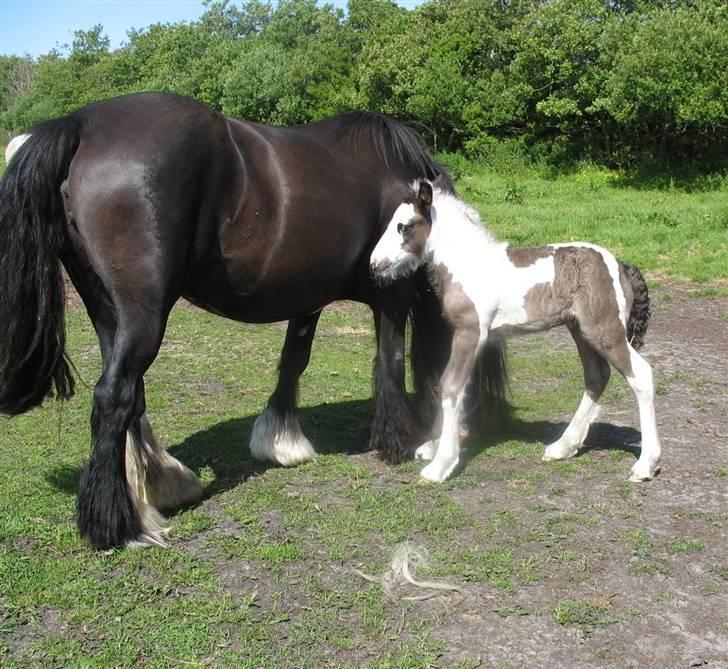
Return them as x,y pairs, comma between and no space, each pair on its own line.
392,138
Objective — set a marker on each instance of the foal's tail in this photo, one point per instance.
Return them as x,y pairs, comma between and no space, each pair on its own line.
641,312
32,237
430,352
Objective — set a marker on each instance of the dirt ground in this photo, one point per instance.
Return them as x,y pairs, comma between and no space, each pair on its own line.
677,615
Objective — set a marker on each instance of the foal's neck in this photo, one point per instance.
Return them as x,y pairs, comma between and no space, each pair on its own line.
458,237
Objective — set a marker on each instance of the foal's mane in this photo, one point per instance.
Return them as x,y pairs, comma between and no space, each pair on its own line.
392,139
450,207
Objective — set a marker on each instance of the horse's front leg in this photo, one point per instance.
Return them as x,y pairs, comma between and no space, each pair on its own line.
277,434
396,428
454,382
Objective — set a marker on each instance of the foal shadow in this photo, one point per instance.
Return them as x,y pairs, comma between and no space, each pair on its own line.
601,436
342,427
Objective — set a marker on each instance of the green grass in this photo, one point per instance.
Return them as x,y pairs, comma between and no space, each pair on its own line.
586,614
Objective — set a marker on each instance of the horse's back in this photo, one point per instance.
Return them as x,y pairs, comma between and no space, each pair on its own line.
255,222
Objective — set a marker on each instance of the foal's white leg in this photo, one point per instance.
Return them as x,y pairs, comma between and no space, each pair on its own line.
573,437
596,376
155,477
447,454
463,353
641,383
280,439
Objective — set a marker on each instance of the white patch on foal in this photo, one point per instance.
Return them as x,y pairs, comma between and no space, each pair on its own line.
280,440
511,305
389,248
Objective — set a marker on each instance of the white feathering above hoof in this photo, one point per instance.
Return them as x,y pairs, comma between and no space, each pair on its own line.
280,440
155,528
156,477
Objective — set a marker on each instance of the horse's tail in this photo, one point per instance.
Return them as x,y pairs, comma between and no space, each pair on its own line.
32,236
640,312
430,352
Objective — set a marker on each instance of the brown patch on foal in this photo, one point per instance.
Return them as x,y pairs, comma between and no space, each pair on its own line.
582,282
527,256
415,234
460,313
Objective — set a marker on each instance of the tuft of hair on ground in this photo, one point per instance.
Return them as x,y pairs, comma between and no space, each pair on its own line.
406,559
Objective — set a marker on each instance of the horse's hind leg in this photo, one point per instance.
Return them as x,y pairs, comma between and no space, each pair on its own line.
156,478
277,434
596,376
109,511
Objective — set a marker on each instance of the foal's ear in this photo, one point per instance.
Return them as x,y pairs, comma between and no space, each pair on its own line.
424,196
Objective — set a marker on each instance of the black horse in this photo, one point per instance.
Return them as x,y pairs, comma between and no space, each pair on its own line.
149,197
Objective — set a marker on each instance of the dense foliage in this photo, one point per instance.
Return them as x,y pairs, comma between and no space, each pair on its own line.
614,81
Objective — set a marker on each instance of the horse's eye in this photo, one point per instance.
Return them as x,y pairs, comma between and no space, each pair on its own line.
400,228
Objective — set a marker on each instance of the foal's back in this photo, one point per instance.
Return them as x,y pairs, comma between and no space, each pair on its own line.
546,286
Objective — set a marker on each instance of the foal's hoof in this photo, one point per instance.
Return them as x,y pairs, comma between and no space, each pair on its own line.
426,451
559,451
642,472
437,472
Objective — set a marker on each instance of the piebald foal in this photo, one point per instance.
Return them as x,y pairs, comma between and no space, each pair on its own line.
489,289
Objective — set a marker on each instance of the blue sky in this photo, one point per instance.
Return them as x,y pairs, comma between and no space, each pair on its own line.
37,26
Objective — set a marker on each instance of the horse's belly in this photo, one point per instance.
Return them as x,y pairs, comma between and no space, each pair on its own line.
249,295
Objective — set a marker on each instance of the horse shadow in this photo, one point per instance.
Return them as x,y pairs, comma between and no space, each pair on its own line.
342,427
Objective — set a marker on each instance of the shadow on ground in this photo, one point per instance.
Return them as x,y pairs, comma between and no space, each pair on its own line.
602,436
342,427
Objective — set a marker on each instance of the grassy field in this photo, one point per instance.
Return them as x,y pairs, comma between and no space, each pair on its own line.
261,573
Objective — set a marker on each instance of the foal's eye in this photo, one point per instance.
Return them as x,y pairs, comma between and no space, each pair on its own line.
400,228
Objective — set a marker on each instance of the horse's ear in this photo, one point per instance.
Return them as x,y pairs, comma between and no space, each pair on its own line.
424,196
